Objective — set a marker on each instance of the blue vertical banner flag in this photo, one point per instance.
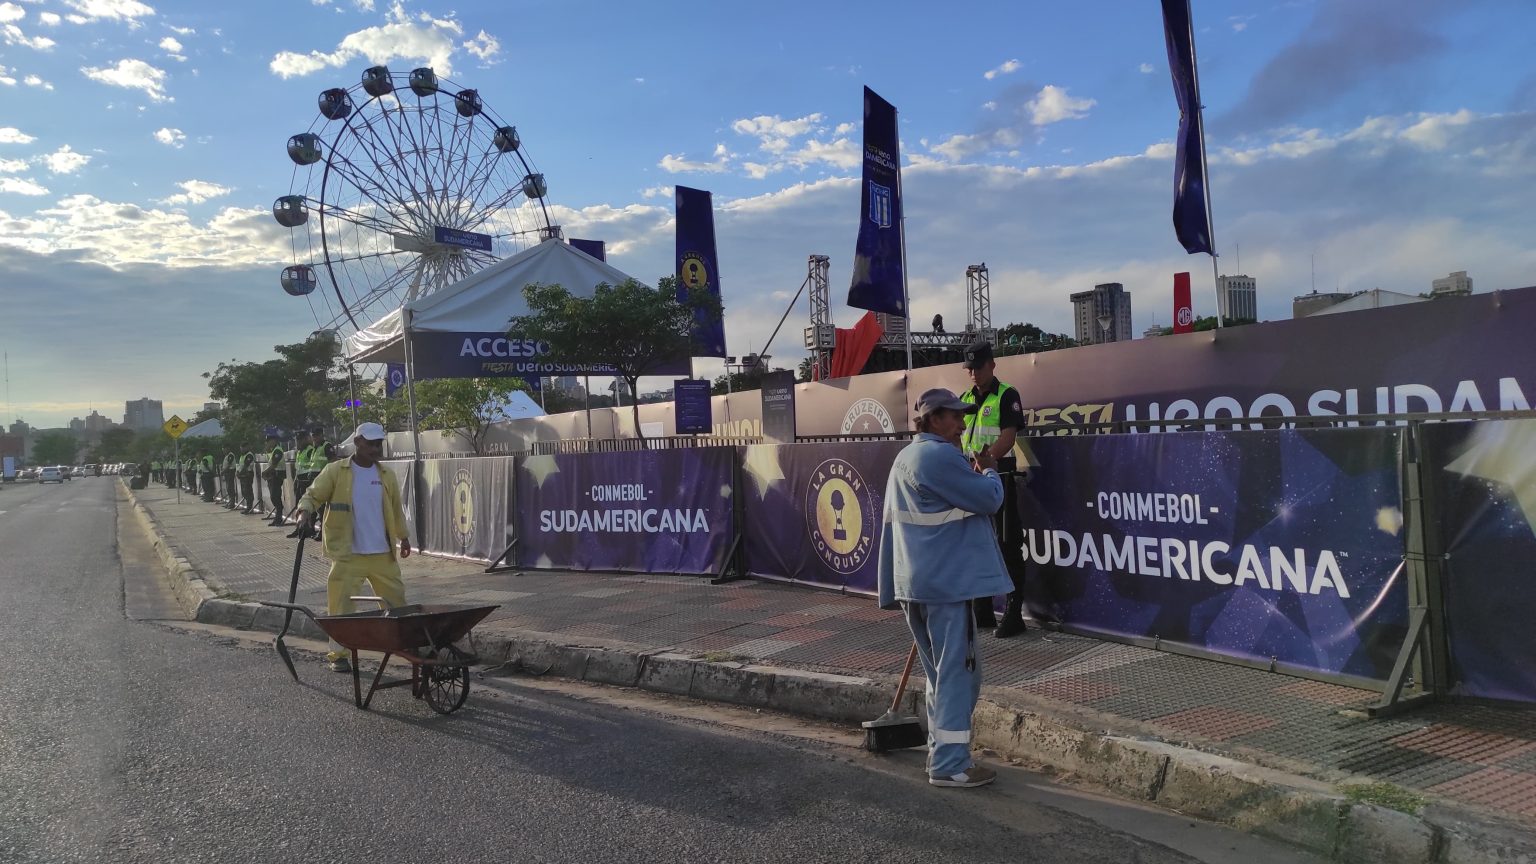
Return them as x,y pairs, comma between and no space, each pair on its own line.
697,265
878,281
596,248
394,379
1191,218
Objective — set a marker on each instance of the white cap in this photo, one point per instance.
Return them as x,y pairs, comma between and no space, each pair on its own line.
371,431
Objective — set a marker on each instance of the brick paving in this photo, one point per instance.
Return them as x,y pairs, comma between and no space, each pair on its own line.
1475,755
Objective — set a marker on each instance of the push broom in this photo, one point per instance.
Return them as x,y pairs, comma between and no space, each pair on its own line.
892,731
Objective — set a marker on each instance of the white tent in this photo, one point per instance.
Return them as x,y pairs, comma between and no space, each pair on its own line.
483,302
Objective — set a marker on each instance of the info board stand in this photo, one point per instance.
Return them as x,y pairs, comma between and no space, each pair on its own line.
732,567
506,555
1419,674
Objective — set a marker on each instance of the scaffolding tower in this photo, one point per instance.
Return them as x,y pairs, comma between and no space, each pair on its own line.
820,337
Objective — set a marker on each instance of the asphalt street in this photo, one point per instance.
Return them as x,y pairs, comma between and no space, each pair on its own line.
125,737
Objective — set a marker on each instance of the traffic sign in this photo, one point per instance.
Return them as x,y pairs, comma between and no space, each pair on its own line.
175,426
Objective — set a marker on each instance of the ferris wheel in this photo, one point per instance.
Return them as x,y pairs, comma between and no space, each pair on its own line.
405,184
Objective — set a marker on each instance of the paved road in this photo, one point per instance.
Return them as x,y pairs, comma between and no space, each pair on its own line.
124,738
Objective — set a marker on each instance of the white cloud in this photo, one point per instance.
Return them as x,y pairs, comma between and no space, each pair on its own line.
1433,130
118,234
35,81
196,192
12,135
51,19
169,44
1007,67
18,186
768,127
428,39
171,137
484,46
682,165
11,12
363,5
13,35
111,10
76,18
1052,105
12,166
6,77
133,75
1147,68
65,160
656,192
184,31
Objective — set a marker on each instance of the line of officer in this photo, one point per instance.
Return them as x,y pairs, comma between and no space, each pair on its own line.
994,429
230,498
309,462
273,474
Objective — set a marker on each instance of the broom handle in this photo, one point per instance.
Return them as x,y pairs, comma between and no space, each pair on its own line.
901,689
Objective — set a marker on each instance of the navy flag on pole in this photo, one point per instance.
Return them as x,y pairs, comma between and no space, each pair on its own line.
878,281
697,267
1191,219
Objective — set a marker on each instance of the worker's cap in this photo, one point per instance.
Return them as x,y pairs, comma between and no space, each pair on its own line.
978,355
369,431
938,397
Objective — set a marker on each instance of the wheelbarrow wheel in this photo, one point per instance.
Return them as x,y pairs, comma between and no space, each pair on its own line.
445,687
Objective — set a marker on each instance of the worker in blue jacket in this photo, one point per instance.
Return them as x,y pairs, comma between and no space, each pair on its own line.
937,554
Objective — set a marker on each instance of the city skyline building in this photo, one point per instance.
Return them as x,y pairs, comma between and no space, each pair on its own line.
1102,314
1458,284
1237,297
143,414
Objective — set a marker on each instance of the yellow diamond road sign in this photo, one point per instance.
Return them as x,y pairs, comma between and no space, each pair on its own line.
175,426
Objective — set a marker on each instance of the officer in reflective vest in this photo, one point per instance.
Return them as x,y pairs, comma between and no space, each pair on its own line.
227,478
993,429
274,473
309,462
154,470
207,476
245,469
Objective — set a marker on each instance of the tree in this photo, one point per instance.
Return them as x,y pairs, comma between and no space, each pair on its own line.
1209,323
630,328
305,382
116,445
1027,338
467,406
54,448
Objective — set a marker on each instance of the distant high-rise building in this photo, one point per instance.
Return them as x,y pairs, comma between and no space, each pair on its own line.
141,414
1238,297
96,423
1103,314
211,407
77,426
1307,304
1375,298
1153,332
1458,284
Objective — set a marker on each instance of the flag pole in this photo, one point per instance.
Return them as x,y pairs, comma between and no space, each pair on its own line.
906,299
1205,173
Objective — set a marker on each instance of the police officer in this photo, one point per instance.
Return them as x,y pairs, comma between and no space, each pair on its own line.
993,429
208,469
309,462
154,470
228,475
274,473
245,470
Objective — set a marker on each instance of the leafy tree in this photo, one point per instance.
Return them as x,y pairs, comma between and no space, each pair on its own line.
630,328
304,382
1209,323
54,448
467,406
116,445
1027,338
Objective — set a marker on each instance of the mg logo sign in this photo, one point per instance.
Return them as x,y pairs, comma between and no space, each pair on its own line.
1186,316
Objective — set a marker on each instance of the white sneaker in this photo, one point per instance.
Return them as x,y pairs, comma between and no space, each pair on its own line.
976,775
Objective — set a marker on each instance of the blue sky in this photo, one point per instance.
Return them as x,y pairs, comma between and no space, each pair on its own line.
141,147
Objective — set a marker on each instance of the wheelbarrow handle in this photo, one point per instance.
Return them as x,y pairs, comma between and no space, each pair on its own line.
292,607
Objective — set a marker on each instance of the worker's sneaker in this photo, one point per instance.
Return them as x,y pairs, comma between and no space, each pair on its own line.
1011,625
976,775
340,665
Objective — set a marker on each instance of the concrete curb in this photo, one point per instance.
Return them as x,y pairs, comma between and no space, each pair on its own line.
1308,813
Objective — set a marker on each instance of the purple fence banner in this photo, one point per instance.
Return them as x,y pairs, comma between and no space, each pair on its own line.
1483,477
814,511
650,511
1283,546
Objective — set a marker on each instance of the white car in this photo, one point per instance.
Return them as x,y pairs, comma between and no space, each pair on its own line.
50,474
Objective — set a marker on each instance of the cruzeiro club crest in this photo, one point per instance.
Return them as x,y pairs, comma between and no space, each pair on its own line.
463,509
868,417
694,273
840,513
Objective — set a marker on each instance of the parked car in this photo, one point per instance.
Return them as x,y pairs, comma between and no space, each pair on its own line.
49,474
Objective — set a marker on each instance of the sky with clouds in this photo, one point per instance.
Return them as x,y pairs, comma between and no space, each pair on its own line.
142,146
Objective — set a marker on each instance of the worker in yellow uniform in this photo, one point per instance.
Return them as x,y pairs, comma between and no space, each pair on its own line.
364,524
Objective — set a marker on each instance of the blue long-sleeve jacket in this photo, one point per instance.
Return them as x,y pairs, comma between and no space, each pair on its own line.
938,545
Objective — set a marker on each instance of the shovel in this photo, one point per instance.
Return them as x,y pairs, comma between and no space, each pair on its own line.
293,591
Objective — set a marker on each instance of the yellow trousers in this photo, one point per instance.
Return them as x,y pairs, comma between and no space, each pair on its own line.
382,573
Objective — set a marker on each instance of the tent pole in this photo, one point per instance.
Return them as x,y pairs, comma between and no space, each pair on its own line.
586,389
416,464
352,393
